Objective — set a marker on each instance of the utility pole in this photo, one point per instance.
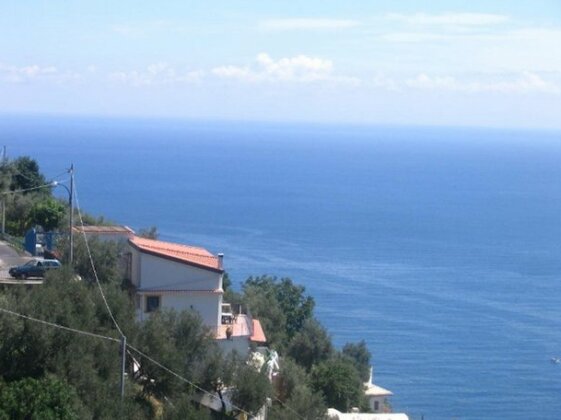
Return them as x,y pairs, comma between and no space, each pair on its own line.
123,360
71,207
4,159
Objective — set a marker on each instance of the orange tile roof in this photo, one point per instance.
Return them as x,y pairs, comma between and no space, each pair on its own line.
258,335
241,328
191,255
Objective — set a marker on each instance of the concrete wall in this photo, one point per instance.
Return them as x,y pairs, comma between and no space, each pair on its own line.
206,304
240,344
381,404
180,286
135,266
151,272
105,237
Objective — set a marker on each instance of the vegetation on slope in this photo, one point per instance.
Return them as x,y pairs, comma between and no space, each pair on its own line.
48,372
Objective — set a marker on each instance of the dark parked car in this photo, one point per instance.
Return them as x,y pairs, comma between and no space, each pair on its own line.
34,268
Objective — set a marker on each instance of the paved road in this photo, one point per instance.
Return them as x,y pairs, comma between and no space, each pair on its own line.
8,258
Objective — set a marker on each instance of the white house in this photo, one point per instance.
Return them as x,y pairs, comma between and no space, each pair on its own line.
333,414
377,401
376,395
168,275
105,233
181,277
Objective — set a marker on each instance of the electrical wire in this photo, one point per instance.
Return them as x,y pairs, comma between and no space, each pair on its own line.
20,173
93,265
185,379
62,327
115,321
28,189
66,172
5,160
90,334
289,408
161,366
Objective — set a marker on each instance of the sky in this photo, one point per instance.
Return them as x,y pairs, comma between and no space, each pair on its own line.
477,63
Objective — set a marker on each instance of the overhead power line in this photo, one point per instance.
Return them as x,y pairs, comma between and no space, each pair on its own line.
49,185
93,265
152,360
104,337
62,327
289,408
177,375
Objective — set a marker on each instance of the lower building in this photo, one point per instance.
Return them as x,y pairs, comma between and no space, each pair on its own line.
181,277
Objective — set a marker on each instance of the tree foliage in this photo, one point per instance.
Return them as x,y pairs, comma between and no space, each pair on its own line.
17,213
25,174
184,409
294,394
77,376
281,305
311,345
304,401
106,256
48,213
32,350
180,342
359,355
338,380
251,388
19,182
149,233
38,399
313,374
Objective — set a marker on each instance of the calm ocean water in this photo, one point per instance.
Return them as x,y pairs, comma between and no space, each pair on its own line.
439,247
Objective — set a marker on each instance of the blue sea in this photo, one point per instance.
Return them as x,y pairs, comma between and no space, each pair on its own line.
440,247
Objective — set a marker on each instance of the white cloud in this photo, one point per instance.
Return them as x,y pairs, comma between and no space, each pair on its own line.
450,19
300,68
156,74
501,48
412,37
381,81
306,24
135,30
21,74
525,83
126,30
235,72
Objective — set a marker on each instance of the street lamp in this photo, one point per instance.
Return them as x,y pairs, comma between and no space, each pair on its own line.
70,207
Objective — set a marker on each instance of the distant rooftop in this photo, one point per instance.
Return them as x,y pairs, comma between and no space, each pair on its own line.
376,391
101,230
373,390
337,415
191,255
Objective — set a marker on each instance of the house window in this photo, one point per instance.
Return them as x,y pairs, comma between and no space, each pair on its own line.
152,303
376,405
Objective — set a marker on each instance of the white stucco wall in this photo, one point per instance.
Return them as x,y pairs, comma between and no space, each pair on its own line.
206,304
179,286
381,403
135,266
161,273
105,237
